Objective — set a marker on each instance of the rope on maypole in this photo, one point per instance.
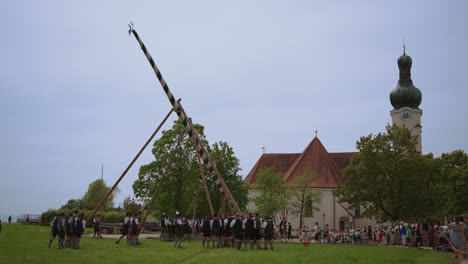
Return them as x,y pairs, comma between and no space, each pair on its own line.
200,148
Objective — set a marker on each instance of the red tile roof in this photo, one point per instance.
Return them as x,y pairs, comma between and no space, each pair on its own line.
281,162
326,166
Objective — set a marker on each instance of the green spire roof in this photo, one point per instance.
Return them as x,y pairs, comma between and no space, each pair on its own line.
405,93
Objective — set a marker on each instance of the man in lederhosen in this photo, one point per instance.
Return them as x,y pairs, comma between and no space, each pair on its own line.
126,226
179,230
206,230
257,228
70,230
80,224
97,227
54,226
163,223
227,230
237,227
215,225
249,225
269,228
62,227
134,223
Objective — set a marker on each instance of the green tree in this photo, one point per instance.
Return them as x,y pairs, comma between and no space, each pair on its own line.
131,205
386,177
184,176
449,185
302,199
268,202
228,166
72,204
97,190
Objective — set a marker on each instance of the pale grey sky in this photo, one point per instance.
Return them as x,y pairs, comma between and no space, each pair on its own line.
76,91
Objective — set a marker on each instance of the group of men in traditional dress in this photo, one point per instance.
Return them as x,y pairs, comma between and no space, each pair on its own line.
130,229
68,228
221,231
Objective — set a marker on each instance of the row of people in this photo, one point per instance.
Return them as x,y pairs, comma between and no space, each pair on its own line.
224,231
68,228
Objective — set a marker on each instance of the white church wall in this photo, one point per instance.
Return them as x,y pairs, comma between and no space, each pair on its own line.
331,212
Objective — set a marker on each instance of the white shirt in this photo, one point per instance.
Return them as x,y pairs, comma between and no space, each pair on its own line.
234,221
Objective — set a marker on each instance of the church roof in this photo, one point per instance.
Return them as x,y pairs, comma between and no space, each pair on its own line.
325,166
316,159
281,162
342,159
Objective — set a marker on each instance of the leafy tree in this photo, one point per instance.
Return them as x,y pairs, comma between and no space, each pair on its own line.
97,190
300,194
130,205
268,202
184,176
72,204
386,177
449,185
228,166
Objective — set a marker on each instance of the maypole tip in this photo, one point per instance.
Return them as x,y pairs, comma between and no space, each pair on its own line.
130,26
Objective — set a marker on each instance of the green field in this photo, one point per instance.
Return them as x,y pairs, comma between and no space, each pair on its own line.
28,244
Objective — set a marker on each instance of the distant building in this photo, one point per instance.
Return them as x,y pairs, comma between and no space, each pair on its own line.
327,167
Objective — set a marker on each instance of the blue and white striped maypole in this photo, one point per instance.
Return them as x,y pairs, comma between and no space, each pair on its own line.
200,148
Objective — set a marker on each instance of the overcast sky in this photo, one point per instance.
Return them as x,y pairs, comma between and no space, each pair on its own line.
76,91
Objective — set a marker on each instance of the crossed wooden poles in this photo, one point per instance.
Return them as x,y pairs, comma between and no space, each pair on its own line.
203,155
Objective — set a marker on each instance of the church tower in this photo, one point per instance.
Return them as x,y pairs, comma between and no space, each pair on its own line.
405,99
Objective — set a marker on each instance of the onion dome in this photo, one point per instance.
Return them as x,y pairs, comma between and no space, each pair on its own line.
405,93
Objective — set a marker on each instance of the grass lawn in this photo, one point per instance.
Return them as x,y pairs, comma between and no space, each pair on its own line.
28,244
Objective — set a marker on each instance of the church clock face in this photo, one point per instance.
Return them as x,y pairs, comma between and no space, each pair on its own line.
405,115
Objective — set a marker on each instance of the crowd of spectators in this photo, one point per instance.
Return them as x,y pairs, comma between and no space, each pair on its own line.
443,236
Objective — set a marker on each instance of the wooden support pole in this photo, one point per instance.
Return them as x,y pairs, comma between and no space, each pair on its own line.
205,186
103,200
201,149
195,197
161,181
196,139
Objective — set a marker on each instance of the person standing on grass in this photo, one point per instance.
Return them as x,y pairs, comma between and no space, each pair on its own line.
54,227
96,227
457,236
9,219
179,232
236,228
403,232
61,230
206,229
215,225
134,229
80,224
250,226
257,228
0,225
269,229
70,230
126,226
163,224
